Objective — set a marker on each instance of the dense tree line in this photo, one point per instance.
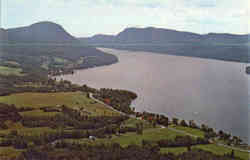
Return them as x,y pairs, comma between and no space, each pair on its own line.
72,118
69,151
118,99
8,112
248,70
182,141
20,84
209,133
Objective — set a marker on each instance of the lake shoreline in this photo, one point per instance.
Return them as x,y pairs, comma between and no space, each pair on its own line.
124,75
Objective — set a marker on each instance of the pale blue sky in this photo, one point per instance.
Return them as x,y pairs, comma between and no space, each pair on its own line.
89,17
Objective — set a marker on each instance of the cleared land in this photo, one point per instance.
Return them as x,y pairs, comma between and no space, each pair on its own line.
10,71
9,152
70,99
80,99
196,132
151,134
222,150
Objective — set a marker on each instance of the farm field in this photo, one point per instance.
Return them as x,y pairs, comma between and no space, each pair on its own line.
70,99
76,100
10,71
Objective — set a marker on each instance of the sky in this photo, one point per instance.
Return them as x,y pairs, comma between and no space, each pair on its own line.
84,18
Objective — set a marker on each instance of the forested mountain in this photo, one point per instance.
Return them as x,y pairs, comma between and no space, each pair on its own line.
221,46
163,36
42,32
3,35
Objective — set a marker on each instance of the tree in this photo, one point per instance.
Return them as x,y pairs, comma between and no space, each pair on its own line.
14,133
189,147
204,127
183,123
236,140
221,133
175,121
139,128
192,124
88,95
154,123
232,154
19,143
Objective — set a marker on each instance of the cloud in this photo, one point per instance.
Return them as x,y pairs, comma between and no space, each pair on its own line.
89,17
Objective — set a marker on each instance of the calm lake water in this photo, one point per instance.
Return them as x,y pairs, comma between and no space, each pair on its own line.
208,91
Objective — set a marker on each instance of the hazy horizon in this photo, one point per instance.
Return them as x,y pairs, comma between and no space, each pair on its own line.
88,18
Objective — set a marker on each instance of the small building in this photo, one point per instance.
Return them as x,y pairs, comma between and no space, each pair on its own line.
92,138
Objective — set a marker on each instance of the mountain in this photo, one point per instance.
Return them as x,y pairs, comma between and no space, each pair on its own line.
161,36
45,43
226,38
3,35
154,35
42,32
100,38
220,46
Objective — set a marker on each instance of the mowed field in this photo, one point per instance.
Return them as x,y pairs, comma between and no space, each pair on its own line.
10,71
38,100
70,99
151,134
156,134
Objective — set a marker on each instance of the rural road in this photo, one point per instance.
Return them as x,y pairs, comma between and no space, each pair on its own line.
173,129
108,106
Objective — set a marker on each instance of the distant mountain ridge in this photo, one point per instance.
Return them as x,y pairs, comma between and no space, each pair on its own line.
3,35
228,47
161,36
220,46
42,32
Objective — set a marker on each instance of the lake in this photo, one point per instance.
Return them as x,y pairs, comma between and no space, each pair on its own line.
207,91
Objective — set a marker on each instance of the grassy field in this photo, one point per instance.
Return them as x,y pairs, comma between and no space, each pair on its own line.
29,131
220,150
189,130
80,99
10,71
70,99
60,60
210,148
38,113
152,134
9,152
133,121
174,150
12,63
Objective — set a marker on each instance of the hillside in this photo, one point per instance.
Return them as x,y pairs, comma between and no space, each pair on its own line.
163,36
34,52
228,47
42,32
3,35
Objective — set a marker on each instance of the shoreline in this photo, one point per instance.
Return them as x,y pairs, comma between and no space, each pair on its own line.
216,128
73,70
213,141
